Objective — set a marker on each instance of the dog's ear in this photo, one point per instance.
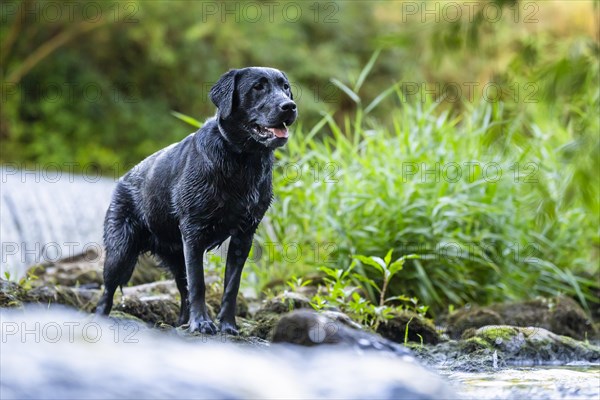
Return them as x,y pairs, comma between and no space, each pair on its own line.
288,82
221,94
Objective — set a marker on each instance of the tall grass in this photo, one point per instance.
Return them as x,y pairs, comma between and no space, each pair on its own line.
495,218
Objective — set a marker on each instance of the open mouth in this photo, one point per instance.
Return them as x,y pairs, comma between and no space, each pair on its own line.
265,132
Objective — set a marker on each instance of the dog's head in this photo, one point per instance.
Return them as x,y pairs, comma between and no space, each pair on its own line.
255,107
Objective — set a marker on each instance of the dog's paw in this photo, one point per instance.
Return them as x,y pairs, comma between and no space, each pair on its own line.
229,329
204,326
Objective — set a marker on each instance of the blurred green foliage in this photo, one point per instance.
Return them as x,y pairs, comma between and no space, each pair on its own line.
94,81
491,218
378,83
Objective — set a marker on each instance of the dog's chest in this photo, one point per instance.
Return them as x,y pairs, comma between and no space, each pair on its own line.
234,196
246,197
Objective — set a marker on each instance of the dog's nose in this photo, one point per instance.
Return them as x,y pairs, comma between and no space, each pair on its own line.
288,106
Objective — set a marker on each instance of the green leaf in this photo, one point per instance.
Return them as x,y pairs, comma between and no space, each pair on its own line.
346,90
397,266
380,98
400,297
334,273
365,71
379,261
187,119
375,262
388,257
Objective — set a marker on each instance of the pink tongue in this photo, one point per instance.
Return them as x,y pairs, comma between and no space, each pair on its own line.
280,133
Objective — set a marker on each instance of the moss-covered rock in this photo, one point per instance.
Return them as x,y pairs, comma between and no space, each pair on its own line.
496,346
420,329
465,319
285,302
86,270
158,309
560,314
11,294
164,287
124,317
147,270
568,318
263,324
156,302
214,296
80,298
159,302
534,345
14,295
271,310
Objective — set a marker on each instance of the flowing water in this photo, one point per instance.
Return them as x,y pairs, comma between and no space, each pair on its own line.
61,354
550,382
47,214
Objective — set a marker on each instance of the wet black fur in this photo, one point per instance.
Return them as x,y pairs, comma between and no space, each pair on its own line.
193,195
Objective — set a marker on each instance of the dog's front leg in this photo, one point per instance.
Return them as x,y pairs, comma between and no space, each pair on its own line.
239,248
199,319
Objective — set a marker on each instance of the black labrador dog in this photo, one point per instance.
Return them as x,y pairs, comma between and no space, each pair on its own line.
191,196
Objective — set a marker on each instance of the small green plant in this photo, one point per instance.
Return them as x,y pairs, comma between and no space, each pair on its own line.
348,290
388,269
26,281
295,283
406,331
421,339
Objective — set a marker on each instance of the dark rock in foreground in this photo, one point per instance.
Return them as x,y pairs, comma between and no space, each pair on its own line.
308,328
268,315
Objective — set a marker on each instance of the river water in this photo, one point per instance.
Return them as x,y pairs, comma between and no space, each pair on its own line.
48,214
550,382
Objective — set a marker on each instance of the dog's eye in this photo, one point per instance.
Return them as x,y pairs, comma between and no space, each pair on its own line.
259,86
286,86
